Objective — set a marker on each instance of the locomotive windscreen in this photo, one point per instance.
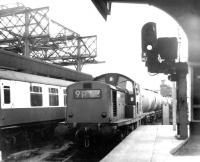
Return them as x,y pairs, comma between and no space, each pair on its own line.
87,94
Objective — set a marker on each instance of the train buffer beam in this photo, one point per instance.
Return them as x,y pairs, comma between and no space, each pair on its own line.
155,143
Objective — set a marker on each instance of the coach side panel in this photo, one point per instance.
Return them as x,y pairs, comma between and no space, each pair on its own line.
23,103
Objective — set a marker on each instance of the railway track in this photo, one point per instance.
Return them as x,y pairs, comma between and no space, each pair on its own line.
62,156
47,153
67,153
73,154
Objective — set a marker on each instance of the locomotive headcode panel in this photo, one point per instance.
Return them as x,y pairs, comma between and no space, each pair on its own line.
87,94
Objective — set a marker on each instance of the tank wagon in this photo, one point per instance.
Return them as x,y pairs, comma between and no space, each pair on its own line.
152,103
112,104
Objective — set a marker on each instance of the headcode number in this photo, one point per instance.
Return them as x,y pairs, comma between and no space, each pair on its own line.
83,94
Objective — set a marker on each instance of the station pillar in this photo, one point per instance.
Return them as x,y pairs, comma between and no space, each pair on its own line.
182,107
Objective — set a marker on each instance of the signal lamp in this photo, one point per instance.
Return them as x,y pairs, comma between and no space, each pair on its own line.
149,47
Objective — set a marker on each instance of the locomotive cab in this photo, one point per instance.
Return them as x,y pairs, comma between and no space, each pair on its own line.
133,107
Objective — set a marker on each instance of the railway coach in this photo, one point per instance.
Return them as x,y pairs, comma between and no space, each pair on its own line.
31,106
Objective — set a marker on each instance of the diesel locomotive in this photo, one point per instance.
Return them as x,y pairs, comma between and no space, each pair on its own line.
110,104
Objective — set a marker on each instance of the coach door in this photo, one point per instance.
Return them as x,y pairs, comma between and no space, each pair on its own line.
6,101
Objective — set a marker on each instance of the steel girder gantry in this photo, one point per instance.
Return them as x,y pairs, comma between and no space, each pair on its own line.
30,32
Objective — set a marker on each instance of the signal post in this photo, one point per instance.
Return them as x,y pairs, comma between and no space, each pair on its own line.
160,55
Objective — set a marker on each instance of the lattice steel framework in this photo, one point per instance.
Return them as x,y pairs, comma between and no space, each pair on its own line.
30,32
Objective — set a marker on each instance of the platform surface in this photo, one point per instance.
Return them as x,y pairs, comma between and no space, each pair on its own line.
155,143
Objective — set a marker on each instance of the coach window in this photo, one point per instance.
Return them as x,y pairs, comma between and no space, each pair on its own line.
129,86
53,97
65,97
6,94
36,95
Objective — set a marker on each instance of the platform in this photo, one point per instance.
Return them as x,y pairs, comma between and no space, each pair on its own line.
155,143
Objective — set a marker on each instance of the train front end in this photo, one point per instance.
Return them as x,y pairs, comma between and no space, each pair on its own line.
88,103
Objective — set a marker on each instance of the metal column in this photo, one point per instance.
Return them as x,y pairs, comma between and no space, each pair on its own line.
26,35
